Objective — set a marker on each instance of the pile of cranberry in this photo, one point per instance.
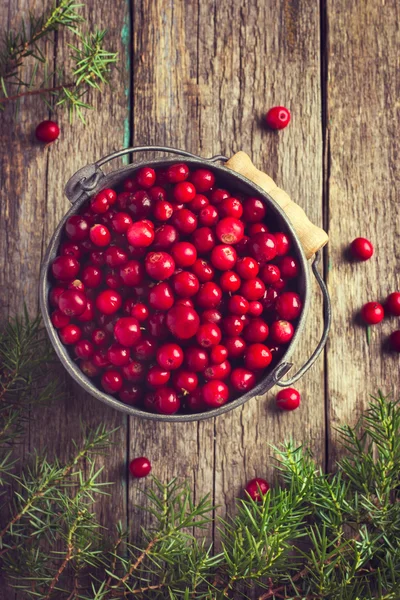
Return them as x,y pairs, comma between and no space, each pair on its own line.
174,294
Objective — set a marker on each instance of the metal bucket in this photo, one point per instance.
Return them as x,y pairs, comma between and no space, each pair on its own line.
89,180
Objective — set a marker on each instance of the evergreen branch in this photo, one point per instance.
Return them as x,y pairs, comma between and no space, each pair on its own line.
40,91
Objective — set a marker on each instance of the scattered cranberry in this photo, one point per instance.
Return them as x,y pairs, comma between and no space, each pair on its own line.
185,284
84,349
395,340
196,359
77,228
185,381
255,308
208,216
218,354
47,131
278,117
256,488
235,346
372,313
238,305
170,356
289,267
184,254
134,371
361,249
252,289
118,355
157,376
140,467
121,222
270,274
393,303
288,399
65,268
208,334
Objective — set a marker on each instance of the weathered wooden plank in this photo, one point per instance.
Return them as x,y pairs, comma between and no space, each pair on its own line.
362,103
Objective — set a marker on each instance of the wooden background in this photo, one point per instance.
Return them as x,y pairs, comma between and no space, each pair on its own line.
199,75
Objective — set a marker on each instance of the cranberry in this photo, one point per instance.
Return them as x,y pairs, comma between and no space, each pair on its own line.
157,325
263,247
177,173
203,180
209,295
361,249
100,337
257,488
270,274
223,257
118,355
140,234
282,242
124,199
195,402
256,331
278,117
47,131
372,313
111,381
89,369
163,400
185,221
184,192
140,467
208,216
59,319
218,371
146,348
255,228
127,331
130,394
183,322
203,270
393,303
230,230
184,302
253,210
185,284
84,349
77,228
395,340
115,257
232,325
121,222
269,299
161,296
288,399
108,302
229,281
255,308
257,356
159,265
65,268
208,334
231,207
146,177
157,376
198,203
170,356
211,316
163,210
218,354
55,294
242,246
281,332
100,235
203,240
247,267
91,276
71,249
97,258
289,267
134,371
72,303
235,346
252,289
184,254
215,393
288,306
196,358
157,194
280,284
238,305
70,334
102,201
112,279
242,380
185,381
141,204
100,359
219,195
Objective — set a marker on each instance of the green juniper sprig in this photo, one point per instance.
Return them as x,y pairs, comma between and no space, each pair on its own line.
91,61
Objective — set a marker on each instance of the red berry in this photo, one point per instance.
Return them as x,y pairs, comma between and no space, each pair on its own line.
146,348
242,380
204,240
121,222
70,334
177,173
253,210
163,400
65,268
235,346
252,289
196,358
208,216
184,254
184,192
194,402
242,246
130,394
281,332
208,334
140,234
257,228
157,194
215,393
198,203
203,270
170,356
185,221
89,369
118,355
256,331
229,281
218,354
100,235
91,276
269,299
108,302
161,296
71,249
372,313
395,340
203,180
232,325
247,267
163,210
102,201
140,467
263,247
185,284
211,316
238,305
84,349
231,207
229,230
278,117
361,249
165,236
223,257
115,257
220,371
183,322
139,311
288,399
157,376
219,195
257,356
97,258
72,303
282,242
100,337
256,488
47,131
100,359
127,331
157,325
146,177
140,205
288,306
270,274
134,371
185,381
184,302
55,294
111,381
159,265
255,308
393,303
77,228
289,267
132,273
59,319
209,295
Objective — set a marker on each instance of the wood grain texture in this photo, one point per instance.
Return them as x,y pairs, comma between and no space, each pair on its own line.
363,152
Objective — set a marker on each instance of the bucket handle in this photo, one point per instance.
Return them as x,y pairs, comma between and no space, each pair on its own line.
284,367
